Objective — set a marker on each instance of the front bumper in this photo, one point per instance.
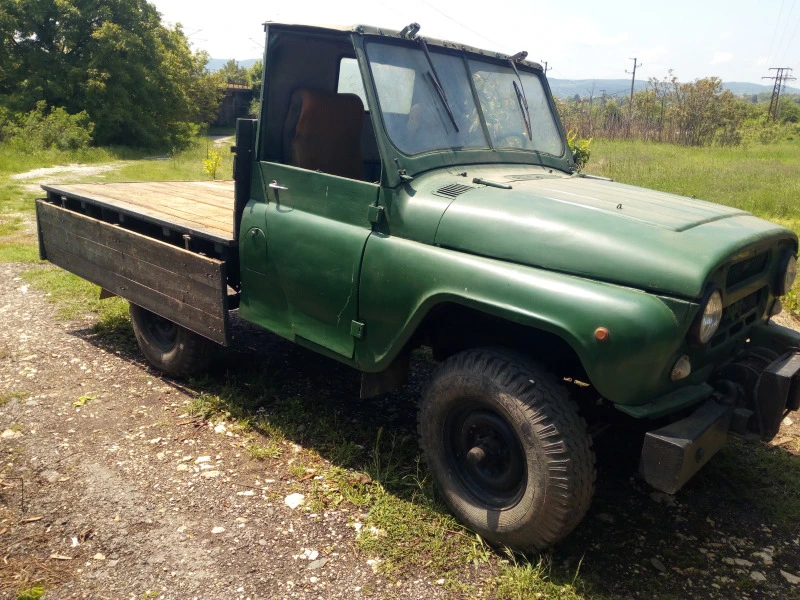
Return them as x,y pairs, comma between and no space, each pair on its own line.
754,394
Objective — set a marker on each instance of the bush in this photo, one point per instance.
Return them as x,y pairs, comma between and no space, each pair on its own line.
580,149
45,127
759,130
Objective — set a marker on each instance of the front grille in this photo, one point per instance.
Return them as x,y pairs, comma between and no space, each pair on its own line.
737,316
452,190
745,269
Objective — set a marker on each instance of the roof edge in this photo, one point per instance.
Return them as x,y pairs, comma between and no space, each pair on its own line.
372,30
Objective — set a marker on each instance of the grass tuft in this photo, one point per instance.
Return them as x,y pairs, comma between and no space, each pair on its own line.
766,477
74,297
8,396
32,593
520,579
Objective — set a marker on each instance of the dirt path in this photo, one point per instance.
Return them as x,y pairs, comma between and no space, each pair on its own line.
109,488
127,494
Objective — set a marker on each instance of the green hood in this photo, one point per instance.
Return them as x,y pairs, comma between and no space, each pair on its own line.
603,230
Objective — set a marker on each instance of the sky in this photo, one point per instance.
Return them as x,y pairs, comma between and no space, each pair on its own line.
736,40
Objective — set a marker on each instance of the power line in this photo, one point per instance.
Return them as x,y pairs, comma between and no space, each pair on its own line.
785,27
774,33
479,34
791,39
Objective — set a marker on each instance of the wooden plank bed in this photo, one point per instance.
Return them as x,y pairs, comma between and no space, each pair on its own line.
202,209
185,287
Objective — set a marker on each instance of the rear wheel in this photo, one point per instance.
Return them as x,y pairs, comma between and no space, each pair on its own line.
507,449
169,347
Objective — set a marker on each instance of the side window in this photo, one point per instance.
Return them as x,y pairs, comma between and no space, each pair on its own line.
396,85
350,80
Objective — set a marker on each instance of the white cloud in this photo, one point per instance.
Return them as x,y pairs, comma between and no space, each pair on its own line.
721,57
725,35
761,61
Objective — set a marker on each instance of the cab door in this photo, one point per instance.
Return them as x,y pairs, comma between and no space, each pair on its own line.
316,229
305,227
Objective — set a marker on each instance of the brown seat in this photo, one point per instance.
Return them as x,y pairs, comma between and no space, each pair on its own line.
323,133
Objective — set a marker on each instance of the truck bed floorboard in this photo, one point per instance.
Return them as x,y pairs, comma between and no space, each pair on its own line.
200,208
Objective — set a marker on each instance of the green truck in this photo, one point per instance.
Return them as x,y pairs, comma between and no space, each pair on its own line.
400,192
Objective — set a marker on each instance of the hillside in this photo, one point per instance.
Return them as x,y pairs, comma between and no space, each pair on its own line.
566,88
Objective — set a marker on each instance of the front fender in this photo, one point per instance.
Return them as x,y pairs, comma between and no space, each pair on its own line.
403,280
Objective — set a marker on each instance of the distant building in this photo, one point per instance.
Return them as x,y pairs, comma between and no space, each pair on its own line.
235,105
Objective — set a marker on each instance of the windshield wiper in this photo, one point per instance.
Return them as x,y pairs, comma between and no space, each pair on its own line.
437,85
520,91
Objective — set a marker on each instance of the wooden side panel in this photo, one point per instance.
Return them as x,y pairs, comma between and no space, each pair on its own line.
181,286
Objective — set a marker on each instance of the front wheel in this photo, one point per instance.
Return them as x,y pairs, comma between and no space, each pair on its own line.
507,449
169,347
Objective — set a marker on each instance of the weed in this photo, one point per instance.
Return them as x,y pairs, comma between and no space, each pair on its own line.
271,449
32,593
8,396
520,579
83,401
206,405
297,470
211,163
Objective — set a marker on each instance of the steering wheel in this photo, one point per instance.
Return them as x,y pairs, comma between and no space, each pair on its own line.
512,140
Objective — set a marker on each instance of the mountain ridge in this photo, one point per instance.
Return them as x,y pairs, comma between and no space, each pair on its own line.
567,88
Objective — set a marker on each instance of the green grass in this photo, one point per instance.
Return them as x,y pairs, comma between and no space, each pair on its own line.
75,297
348,462
8,396
17,244
761,179
766,477
33,593
521,579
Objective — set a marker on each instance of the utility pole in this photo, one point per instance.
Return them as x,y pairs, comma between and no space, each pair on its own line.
545,68
633,81
782,75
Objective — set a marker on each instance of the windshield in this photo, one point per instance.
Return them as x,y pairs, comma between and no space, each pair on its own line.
414,113
417,116
503,113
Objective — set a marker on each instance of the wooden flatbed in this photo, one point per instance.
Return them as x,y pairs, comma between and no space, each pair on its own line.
202,209
164,246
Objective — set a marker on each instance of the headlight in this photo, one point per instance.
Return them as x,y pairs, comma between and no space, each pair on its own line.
707,321
787,275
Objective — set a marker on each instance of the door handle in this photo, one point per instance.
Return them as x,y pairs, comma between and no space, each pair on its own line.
275,186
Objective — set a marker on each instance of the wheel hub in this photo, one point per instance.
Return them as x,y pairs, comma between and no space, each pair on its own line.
488,457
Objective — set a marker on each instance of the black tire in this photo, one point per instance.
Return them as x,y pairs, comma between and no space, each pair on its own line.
507,449
169,347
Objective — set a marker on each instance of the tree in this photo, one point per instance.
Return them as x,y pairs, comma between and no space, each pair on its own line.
138,80
254,77
231,72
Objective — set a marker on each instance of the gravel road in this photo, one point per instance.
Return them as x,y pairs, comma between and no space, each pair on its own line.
109,488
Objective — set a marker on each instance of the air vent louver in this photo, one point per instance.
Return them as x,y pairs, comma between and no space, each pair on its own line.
452,190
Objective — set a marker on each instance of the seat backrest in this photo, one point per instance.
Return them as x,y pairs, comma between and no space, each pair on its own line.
323,132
